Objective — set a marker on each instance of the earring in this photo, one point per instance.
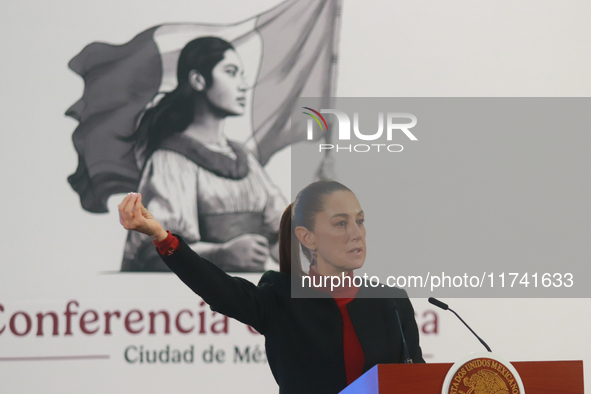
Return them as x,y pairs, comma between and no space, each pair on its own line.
313,260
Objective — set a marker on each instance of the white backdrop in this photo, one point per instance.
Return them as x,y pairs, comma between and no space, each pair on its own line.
55,252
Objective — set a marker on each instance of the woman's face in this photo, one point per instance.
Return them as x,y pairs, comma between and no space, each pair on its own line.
228,90
339,234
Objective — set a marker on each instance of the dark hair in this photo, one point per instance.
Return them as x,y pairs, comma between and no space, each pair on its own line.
176,110
302,212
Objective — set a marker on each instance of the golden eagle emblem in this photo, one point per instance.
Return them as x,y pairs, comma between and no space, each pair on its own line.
485,382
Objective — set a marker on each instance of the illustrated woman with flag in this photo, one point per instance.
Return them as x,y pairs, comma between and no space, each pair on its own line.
151,119
196,182
319,343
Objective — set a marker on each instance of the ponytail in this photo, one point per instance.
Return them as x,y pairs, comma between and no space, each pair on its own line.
288,263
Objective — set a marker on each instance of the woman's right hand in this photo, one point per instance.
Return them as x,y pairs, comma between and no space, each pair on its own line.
134,216
247,252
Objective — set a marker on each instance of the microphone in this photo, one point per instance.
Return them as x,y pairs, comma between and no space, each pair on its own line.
407,359
444,306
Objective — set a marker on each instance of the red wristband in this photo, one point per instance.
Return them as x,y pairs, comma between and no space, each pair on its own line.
168,245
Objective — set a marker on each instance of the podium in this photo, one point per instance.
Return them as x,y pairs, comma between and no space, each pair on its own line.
539,377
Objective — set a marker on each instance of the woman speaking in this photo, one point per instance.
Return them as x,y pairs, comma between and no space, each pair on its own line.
314,345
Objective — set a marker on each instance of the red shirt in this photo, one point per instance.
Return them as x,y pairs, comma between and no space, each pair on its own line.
354,357
353,353
168,245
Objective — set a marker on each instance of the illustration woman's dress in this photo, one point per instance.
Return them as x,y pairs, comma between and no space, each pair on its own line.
205,194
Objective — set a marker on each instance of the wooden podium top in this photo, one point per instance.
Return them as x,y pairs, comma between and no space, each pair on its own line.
539,377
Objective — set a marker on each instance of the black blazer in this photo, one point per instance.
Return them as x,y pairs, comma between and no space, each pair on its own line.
303,336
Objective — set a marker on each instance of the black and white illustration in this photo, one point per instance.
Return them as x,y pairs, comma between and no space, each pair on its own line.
188,115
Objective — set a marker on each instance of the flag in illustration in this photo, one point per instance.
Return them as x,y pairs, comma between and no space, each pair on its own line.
287,52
